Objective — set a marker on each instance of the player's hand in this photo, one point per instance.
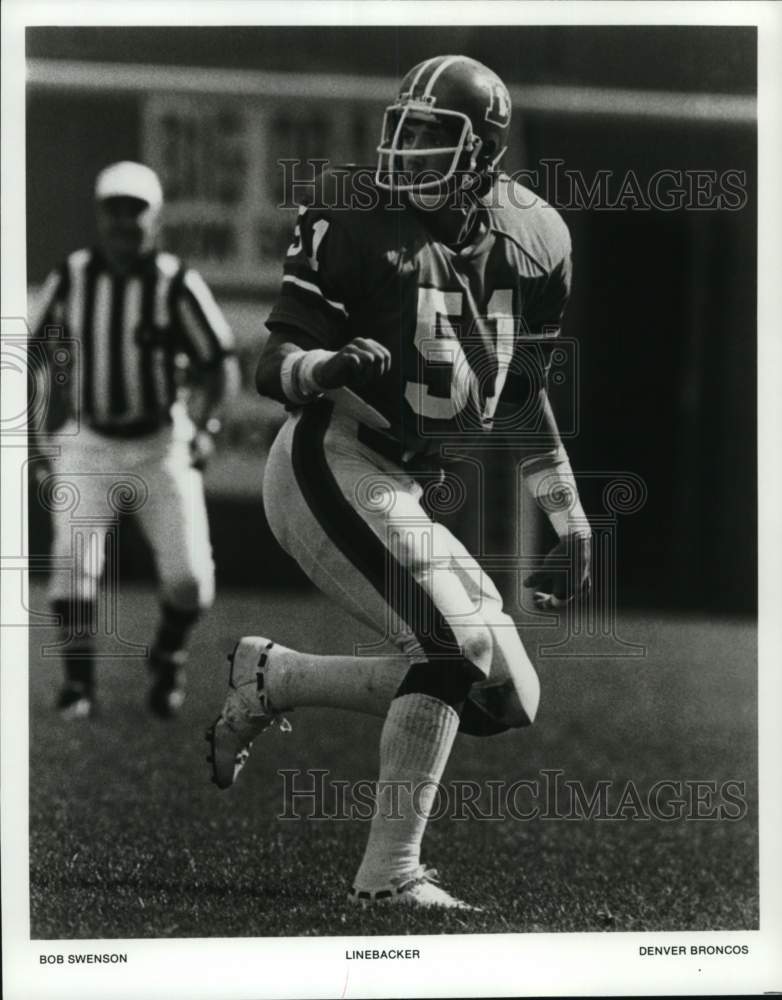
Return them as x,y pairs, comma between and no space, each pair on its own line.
565,573
202,448
357,363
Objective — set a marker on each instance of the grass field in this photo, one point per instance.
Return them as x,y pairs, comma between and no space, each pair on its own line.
130,839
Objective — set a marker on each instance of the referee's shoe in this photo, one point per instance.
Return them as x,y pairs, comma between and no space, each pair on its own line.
75,702
76,699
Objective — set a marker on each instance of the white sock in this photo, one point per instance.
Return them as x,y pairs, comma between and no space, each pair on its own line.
414,747
358,683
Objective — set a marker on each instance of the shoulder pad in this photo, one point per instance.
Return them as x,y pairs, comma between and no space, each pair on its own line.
531,223
340,188
348,196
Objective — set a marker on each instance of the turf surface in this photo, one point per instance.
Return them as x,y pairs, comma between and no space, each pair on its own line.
129,839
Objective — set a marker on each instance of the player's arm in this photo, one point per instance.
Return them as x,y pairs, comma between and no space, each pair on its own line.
293,368
310,349
548,475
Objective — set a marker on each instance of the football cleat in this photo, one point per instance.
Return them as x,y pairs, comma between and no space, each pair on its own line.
167,693
246,712
75,701
419,889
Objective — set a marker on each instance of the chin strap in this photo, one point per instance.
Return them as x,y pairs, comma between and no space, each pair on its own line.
470,221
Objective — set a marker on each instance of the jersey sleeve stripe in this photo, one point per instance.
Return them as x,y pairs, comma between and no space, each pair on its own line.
308,286
212,313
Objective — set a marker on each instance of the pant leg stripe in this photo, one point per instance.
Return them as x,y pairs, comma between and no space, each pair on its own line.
356,540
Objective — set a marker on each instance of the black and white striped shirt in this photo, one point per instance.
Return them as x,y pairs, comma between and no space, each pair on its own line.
130,330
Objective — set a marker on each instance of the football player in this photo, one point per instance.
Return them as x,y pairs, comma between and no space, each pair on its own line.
417,308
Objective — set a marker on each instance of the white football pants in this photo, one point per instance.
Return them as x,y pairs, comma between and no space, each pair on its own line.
354,522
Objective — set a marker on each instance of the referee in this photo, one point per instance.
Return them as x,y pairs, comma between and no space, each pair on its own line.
140,319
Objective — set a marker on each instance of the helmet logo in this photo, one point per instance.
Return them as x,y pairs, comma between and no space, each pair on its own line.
498,112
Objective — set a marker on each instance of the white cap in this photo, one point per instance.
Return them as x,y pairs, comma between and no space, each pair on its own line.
129,180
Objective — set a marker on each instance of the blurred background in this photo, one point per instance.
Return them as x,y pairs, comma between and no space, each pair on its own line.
663,305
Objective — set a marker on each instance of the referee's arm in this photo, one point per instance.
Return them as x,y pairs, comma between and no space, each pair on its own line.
209,344
47,313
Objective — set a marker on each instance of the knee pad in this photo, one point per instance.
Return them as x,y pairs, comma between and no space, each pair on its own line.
448,680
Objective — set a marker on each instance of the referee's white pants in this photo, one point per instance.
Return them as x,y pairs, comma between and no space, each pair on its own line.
354,522
95,479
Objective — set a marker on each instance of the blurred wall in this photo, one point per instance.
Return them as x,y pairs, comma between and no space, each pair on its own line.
663,302
664,307
680,58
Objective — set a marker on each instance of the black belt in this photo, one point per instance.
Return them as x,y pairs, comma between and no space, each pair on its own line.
392,450
137,429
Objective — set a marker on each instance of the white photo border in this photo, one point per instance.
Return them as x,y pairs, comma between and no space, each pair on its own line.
485,965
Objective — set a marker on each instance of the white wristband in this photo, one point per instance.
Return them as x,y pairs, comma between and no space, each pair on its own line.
296,375
554,487
305,371
289,389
